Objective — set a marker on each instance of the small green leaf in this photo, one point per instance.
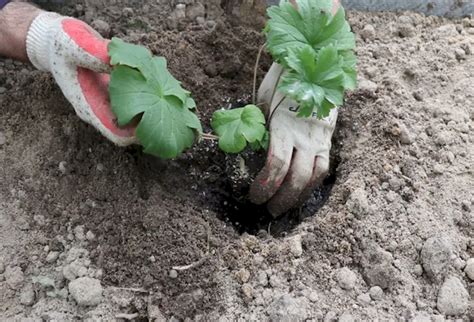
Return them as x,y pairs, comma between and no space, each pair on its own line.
141,86
263,144
239,126
315,81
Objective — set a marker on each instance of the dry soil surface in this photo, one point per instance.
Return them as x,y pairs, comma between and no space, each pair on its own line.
92,231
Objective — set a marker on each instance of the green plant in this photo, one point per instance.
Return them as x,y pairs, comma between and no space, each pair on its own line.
142,87
240,126
315,48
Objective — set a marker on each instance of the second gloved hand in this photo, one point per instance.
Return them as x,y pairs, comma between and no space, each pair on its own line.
77,56
298,156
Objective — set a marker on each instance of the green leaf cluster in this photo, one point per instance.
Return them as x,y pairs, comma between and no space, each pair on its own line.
238,127
141,86
316,49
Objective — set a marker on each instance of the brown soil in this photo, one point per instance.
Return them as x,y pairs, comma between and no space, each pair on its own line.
149,215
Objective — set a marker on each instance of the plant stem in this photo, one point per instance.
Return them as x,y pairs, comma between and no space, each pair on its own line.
209,136
254,93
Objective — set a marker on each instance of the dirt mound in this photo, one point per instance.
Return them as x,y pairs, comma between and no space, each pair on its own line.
177,239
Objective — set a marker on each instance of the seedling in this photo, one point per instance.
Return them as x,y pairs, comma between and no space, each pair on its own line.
316,50
142,86
314,46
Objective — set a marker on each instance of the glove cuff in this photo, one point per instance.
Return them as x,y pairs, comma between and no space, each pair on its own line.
38,38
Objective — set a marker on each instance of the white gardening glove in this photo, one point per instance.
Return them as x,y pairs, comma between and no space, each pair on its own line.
298,155
77,56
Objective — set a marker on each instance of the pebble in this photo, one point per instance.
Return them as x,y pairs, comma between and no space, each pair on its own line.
330,316
459,264
346,317
368,85
296,246
422,317
364,298
52,257
378,268
418,270
247,291
62,167
346,278
195,10
262,278
469,269
357,203
368,33
453,298
86,291
376,293
436,255
27,295
90,235
14,277
289,308
405,135
100,167
79,233
243,275
173,274
200,21
101,27
460,54
127,12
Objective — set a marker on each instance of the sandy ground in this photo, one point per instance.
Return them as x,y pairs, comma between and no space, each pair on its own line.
92,231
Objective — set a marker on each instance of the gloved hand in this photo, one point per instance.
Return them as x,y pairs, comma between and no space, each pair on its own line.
298,155
77,56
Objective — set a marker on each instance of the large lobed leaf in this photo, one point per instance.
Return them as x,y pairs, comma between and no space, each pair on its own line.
142,86
316,50
238,126
311,25
316,81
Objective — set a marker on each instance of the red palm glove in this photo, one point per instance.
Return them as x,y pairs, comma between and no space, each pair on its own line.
77,56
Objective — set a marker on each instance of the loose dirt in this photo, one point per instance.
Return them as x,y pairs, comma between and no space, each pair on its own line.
177,239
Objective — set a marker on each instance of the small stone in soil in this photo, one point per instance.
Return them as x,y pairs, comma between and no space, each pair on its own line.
346,278
376,293
368,33
86,291
173,274
346,317
52,257
90,235
436,255
289,308
101,27
364,298
14,277
243,275
247,291
378,266
453,298
62,167
469,269
27,295
295,245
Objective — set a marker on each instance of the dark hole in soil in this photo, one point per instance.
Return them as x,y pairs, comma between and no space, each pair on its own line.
213,181
249,218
